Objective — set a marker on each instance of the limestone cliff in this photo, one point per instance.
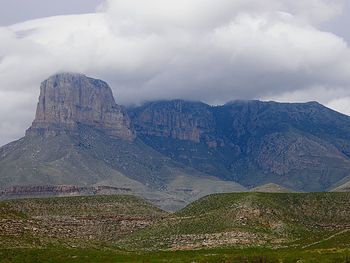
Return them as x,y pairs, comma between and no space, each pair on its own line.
67,100
178,119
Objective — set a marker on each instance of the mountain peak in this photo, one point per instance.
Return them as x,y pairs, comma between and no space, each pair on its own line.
69,99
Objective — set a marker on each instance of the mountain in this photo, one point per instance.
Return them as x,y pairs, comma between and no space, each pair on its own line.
82,139
68,100
301,146
171,152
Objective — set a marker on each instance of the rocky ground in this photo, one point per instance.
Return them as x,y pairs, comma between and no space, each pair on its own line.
74,221
239,220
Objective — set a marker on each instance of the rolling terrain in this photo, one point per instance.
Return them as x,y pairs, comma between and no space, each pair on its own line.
251,219
73,221
241,227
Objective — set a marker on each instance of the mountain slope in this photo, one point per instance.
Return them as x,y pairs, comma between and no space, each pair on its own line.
80,137
93,158
303,146
342,187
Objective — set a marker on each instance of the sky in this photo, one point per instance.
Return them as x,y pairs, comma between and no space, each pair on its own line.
209,50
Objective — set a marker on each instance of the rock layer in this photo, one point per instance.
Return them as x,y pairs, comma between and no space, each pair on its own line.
67,100
52,190
178,119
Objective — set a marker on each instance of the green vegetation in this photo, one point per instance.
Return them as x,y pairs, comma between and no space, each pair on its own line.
249,219
7,212
239,227
84,206
213,255
73,222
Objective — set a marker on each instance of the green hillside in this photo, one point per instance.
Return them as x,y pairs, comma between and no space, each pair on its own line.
72,221
239,227
250,219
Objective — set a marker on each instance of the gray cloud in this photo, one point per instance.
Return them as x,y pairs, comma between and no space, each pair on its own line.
339,24
207,50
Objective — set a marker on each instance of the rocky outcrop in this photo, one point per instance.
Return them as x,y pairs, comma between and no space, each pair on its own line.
178,119
68,100
53,190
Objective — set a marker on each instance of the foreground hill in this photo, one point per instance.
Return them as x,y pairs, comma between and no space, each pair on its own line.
252,219
73,221
301,146
241,227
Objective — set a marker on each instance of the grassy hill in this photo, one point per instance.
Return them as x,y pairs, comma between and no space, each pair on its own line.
72,221
238,227
248,220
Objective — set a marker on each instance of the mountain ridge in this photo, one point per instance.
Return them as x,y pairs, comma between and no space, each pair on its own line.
65,147
254,137
175,150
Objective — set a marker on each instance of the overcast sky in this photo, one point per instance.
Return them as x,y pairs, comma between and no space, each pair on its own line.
209,50
15,11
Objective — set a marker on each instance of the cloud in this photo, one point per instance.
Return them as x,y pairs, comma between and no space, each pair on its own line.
207,50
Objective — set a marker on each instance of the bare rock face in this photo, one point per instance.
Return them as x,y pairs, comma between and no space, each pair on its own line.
181,120
67,100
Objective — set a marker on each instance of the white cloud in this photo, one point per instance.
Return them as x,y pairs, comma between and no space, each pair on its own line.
194,49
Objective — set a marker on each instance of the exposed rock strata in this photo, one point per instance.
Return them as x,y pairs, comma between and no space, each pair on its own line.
50,190
67,100
178,119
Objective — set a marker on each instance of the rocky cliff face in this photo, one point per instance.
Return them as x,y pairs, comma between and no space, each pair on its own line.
178,119
304,146
67,100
